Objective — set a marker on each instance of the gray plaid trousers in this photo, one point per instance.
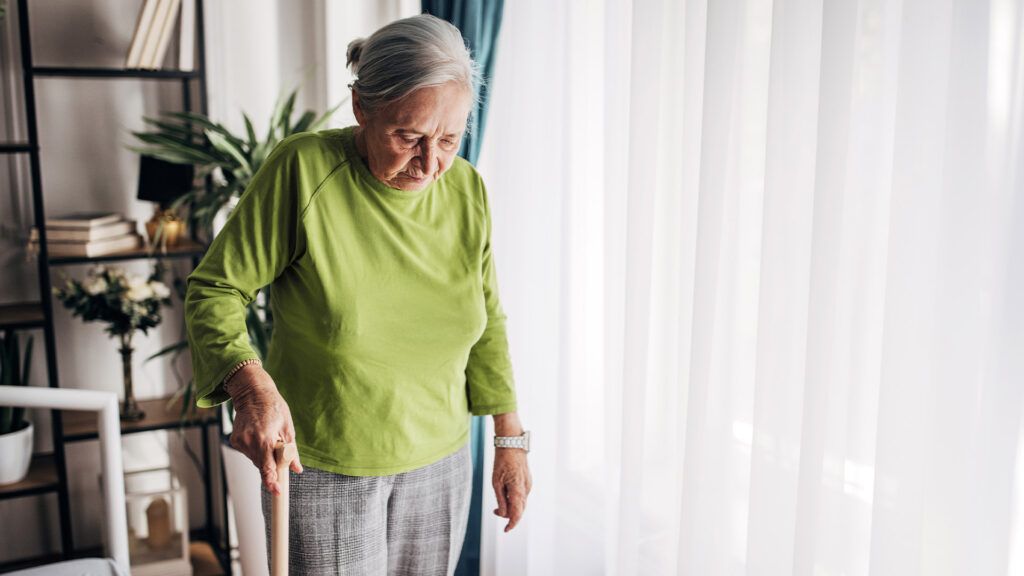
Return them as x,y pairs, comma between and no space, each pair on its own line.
406,524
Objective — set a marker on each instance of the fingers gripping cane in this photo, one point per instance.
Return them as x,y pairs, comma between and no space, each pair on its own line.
283,456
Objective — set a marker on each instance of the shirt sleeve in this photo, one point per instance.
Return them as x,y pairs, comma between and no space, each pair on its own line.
489,377
262,236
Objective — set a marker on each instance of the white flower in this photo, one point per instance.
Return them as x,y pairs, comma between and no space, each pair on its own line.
139,289
160,290
94,286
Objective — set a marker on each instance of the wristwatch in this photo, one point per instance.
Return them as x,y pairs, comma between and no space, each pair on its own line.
522,441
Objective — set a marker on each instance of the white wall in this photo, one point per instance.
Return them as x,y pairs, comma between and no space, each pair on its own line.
256,49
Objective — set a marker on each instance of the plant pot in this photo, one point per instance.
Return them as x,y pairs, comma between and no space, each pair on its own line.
244,483
16,454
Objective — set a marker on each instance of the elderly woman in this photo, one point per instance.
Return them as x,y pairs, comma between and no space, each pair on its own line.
388,333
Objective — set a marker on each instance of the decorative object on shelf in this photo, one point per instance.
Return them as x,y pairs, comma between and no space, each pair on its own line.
157,509
229,160
126,302
163,182
16,431
164,229
86,234
153,31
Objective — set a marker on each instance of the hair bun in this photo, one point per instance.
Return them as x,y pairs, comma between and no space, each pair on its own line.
355,49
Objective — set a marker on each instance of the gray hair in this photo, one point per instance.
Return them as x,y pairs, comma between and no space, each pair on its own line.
408,54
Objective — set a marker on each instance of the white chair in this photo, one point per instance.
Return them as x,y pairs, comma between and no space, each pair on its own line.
109,426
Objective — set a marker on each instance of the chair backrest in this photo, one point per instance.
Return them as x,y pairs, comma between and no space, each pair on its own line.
109,426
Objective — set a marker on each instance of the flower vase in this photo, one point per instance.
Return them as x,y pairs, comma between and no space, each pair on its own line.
130,411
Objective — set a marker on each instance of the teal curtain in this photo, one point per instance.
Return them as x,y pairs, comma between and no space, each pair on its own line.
479,21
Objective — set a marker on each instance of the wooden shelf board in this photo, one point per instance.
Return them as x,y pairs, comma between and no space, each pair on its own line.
92,72
185,249
22,315
159,416
41,478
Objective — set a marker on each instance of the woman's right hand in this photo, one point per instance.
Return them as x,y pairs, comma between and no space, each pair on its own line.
262,419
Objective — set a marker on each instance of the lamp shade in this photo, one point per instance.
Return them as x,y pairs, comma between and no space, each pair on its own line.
162,181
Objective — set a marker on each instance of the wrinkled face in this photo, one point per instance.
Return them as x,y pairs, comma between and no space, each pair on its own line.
411,142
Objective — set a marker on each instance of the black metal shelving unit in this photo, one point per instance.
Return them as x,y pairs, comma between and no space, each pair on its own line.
48,472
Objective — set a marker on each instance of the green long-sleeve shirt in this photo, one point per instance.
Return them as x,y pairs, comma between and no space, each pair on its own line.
388,332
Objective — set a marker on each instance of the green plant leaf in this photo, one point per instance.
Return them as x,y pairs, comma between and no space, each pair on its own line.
303,124
319,122
228,147
168,149
282,120
253,142
172,349
208,125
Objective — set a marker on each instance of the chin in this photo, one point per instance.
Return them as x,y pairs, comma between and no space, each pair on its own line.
411,185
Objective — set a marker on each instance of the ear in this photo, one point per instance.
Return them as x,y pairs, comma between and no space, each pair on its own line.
357,109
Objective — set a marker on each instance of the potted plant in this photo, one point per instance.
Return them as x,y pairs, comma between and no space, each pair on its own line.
227,160
15,430
126,302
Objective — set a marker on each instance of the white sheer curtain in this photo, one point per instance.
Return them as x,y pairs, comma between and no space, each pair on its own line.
763,268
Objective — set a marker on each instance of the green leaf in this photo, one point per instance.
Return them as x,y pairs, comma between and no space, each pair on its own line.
303,124
208,125
316,125
228,147
282,121
181,133
253,142
169,148
172,349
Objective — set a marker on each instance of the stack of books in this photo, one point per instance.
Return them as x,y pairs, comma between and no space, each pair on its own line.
153,32
87,234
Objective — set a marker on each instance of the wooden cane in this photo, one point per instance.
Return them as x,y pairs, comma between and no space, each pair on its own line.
283,456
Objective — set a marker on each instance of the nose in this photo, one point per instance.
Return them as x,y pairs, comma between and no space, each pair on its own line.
428,156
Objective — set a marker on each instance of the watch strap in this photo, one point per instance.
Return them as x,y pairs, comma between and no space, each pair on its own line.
522,441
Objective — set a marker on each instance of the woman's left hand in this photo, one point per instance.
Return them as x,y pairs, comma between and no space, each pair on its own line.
512,482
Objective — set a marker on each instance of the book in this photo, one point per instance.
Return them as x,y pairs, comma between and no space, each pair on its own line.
90,249
163,9
166,29
187,36
83,220
142,27
86,234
